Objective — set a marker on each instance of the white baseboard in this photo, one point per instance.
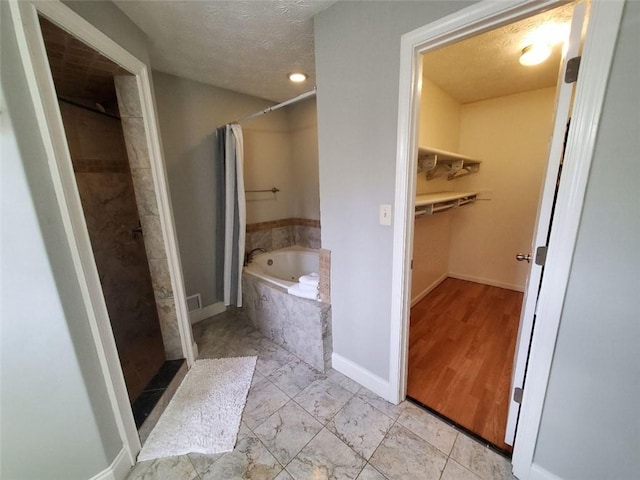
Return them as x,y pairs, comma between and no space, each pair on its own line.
118,469
206,312
195,351
539,473
487,281
361,375
429,289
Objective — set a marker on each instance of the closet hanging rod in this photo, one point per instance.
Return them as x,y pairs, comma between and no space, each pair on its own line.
272,190
272,108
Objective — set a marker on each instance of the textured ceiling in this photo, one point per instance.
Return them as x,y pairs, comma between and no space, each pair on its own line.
245,46
487,66
78,71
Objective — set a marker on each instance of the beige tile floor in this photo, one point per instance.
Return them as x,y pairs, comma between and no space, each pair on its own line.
301,424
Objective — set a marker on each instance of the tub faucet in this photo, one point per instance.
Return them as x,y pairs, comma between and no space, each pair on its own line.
248,258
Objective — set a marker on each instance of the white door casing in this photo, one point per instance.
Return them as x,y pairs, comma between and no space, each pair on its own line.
604,20
597,56
33,54
564,93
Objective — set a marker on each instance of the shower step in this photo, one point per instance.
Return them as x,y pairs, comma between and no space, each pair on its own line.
156,396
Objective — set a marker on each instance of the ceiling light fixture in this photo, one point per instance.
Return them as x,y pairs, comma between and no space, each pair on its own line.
534,54
297,77
551,33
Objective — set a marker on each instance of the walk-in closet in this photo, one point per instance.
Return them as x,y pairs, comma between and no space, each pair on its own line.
485,123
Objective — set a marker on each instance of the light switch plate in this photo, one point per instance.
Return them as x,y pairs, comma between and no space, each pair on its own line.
385,214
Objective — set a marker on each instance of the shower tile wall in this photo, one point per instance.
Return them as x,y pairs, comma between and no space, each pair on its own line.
139,160
283,233
108,200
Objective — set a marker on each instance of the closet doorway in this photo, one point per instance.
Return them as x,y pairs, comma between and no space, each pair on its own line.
485,124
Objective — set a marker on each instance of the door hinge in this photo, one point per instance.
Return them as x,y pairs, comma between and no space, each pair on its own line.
571,73
541,255
517,395
411,264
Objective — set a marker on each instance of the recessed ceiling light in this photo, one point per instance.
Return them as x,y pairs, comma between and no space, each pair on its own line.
535,54
298,77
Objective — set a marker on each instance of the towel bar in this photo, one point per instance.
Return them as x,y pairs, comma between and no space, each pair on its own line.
272,190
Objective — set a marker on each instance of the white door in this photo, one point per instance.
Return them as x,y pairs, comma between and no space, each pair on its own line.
543,223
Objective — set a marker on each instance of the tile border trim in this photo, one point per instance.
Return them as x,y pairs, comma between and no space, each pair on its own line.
285,222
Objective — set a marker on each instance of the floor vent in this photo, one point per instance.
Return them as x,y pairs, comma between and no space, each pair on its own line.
194,302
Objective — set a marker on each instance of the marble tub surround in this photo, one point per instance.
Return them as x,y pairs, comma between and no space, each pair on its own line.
306,233
301,326
325,275
357,436
283,233
145,195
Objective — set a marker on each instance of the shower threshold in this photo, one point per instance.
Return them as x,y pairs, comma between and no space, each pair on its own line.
156,396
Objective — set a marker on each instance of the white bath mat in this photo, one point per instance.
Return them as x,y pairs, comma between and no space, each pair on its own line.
204,414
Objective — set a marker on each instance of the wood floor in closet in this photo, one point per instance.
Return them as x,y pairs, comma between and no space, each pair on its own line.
461,345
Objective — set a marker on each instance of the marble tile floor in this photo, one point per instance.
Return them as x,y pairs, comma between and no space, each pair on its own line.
301,424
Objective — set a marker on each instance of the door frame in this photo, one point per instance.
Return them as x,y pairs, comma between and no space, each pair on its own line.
603,25
544,219
34,58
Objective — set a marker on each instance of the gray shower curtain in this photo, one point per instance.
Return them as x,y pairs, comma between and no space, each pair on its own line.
232,210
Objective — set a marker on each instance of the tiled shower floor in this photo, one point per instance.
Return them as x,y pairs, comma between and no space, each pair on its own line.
301,424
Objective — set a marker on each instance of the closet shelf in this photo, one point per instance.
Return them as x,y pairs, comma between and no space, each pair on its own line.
441,201
438,163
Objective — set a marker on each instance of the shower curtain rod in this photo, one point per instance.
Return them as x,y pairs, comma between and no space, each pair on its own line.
302,96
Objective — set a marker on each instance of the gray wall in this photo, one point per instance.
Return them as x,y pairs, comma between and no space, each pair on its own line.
357,64
590,425
303,118
189,113
280,150
56,419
